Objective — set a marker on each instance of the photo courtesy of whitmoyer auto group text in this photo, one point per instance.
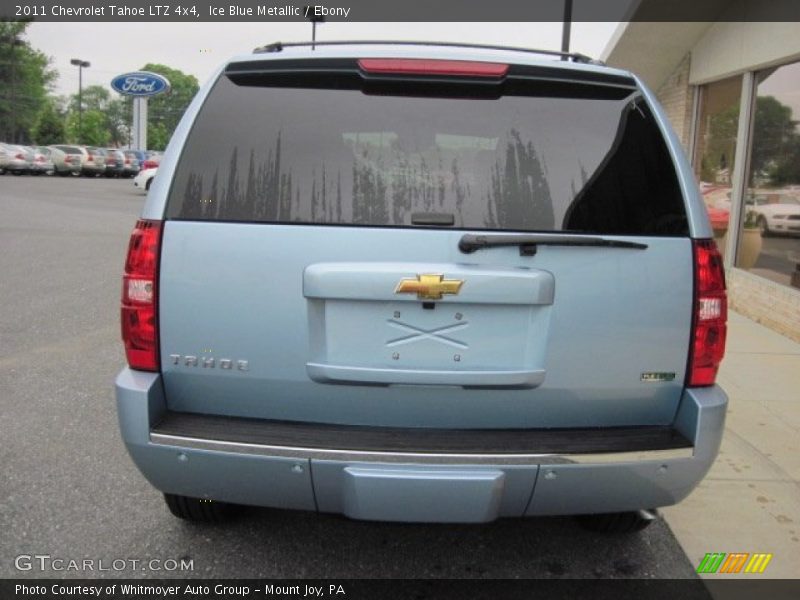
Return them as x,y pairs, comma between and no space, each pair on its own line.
400,300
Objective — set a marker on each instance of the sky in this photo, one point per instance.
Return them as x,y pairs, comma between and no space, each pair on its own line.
199,48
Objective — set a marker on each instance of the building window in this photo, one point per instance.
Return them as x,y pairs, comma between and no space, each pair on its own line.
716,136
769,243
715,147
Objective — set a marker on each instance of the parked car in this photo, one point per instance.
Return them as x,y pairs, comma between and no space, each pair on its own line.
777,213
16,160
131,164
151,161
719,218
140,156
94,162
115,162
5,157
67,159
42,163
144,179
447,286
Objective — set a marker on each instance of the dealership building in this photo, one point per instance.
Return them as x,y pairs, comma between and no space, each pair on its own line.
731,88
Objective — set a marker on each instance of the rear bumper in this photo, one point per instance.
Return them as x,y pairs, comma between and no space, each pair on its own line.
17,165
405,477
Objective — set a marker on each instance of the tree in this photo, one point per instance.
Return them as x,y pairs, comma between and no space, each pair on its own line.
93,130
157,135
721,144
785,170
115,112
49,127
166,110
775,142
25,80
775,153
119,115
92,97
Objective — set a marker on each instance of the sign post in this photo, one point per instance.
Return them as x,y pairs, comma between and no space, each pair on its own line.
141,85
139,130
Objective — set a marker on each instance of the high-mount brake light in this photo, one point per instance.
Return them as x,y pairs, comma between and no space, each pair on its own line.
421,66
710,315
140,297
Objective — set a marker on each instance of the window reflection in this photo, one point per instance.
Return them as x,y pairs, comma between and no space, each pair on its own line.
770,239
715,148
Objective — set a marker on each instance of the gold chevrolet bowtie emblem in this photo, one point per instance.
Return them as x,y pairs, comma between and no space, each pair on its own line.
429,287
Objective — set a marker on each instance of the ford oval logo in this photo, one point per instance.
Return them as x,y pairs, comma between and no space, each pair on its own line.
140,83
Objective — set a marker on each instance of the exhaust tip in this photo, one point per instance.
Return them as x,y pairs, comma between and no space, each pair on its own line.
647,514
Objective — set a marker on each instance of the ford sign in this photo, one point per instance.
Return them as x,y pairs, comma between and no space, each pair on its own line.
140,83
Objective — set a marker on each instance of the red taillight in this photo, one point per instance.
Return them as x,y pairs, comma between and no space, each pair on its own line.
150,164
710,314
20,157
418,66
140,297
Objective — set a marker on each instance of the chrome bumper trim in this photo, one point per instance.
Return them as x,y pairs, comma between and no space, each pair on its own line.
161,439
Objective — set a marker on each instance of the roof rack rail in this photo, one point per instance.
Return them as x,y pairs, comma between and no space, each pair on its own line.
572,56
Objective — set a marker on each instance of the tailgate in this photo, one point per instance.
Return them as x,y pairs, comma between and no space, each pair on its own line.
561,339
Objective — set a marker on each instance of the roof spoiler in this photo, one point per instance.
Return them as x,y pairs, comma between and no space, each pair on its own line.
571,56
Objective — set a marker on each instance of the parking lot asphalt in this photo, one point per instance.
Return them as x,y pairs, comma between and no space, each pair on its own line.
69,490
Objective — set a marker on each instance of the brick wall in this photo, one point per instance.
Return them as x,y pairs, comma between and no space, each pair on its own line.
772,304
676,96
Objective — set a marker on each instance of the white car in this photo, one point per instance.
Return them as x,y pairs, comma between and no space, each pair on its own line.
143,180
782,216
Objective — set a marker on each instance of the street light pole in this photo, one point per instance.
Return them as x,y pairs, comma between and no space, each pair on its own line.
80,64
13,43
565,30
309,11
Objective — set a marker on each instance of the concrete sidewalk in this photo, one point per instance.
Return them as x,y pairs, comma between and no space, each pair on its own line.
750,500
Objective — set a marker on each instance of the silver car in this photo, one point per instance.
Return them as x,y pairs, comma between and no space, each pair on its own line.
94,162
15,159
131,165
67,159
42,161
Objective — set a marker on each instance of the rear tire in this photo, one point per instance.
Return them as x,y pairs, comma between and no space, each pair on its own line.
623,522
764,227
199,510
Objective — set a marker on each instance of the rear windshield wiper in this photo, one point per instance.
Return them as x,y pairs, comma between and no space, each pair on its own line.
527,243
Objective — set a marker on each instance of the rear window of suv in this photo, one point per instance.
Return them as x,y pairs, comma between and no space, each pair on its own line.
524,158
